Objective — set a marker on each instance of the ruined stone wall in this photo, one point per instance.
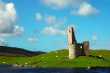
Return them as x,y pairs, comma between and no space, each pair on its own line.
79,49
83,49
76,49
86,48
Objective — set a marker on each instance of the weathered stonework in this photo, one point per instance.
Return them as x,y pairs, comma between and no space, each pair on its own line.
72,51
86,48
71,36
76,49
71,43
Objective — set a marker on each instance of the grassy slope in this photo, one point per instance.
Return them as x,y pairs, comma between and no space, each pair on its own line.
60,59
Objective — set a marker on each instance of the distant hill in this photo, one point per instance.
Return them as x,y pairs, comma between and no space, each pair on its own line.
13,51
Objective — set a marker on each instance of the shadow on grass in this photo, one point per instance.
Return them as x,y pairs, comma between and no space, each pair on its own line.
99,57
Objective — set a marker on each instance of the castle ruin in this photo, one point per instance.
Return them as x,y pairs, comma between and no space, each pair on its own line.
76,49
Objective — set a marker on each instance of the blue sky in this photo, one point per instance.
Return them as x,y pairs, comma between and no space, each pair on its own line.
41,24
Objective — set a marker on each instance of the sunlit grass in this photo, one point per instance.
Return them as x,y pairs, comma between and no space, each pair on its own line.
60,59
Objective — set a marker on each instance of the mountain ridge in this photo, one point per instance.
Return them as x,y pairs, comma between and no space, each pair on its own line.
13,51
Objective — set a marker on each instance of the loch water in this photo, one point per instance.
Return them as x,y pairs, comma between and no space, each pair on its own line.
9,69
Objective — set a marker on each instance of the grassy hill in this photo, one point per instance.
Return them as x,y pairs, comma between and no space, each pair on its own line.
59,59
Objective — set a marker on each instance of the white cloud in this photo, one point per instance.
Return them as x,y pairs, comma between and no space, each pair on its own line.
2,42
57,3
54,21
61,4
7,19
87,9
39,16
53,31
32,40
79,7
53,24
11,12
50,20
18,30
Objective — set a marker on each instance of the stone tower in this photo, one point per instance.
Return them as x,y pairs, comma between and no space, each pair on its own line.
86,48
71,43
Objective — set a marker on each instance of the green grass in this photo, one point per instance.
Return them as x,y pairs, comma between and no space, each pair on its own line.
60,59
